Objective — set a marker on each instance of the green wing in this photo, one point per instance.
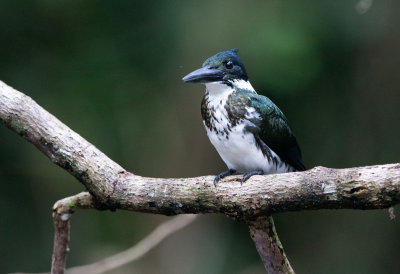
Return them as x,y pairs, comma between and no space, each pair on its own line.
272,129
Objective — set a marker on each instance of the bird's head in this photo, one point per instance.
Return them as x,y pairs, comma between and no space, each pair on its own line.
223,67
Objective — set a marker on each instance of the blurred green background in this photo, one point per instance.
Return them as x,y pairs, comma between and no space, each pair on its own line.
111,70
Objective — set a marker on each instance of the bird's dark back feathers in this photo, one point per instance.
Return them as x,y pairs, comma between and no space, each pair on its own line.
271,127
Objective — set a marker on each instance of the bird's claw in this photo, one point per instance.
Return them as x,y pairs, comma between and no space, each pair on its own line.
223,175
247,175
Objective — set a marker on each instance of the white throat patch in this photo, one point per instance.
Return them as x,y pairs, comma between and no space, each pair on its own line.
218,92
217,88
220,89
242,84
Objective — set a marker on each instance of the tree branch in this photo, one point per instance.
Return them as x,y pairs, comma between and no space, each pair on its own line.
62,211
113,187
269,247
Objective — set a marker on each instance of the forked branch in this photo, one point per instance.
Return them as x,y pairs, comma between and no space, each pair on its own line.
113,187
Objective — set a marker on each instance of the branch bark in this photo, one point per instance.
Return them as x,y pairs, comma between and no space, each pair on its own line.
62,211
113,187
268,245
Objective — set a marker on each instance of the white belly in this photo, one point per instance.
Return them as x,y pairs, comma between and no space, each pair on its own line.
241,153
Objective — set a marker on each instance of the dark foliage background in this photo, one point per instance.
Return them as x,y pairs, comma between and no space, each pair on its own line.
112,71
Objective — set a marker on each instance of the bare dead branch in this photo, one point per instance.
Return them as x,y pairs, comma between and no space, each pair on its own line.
62,211
269,247
61,240
112,187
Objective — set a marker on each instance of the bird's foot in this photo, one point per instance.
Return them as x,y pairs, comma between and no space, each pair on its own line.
247,175
223,175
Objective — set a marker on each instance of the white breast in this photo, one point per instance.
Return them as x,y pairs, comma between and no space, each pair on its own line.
237,149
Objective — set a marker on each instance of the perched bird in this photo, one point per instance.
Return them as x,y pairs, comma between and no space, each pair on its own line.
250,133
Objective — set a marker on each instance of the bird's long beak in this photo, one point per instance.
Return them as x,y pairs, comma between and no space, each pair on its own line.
204,75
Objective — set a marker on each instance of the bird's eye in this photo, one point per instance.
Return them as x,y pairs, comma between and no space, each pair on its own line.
229,65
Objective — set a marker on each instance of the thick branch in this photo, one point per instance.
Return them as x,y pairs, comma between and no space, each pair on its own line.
269,247
358,188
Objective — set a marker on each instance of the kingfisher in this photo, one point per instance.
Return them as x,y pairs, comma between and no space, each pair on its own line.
250,133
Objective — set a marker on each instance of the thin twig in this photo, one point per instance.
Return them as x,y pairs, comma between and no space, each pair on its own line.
62,211
61,240
392,216
137,251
